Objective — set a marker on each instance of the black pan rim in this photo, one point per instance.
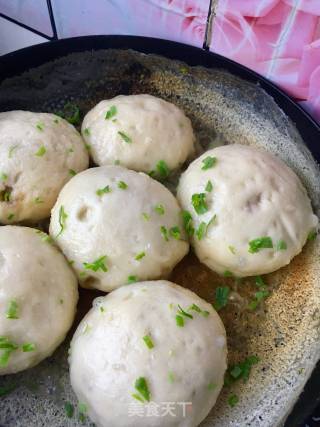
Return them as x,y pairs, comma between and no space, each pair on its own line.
17,62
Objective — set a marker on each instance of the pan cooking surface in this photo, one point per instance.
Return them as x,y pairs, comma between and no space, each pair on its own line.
223,109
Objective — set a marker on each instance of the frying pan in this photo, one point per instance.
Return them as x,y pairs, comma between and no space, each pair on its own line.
226,103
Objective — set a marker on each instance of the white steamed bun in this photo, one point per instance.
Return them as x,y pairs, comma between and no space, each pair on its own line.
130,355
116,226
251,213
39,153
140,132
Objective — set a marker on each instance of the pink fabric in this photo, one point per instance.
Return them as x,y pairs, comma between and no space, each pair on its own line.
277,38
312,104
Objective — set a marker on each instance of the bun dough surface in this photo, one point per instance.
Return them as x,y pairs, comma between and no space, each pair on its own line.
38,298
39,153
156,131
255,202
179,364
120,226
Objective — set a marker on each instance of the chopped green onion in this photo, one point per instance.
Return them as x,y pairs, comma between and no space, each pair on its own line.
38,200
132,279
7,348
56,121
184,313
12,311
82,418
241,370
163,169
145,216
11,150
139,256
179,321
208,162
233,400
82,407
170,377
71,113
183,70
312,235
86,131
228,273
69,409
102,191
212,221
87,146
10,216
111,112
41,151
199,203
221,297
201,230
28,347
232,249
259,281
209,187
188,223
98,264
259,296
259,243
6,344
4,357
62,220
203,313
164,233
122,185
72,172
5,195
148,341
137,397
142,387
117,162
175,232
236,371
195,308
45,237
281,245
3,176
40,126
86,329
125,137
159,209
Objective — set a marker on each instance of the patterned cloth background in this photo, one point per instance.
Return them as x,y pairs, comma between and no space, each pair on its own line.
277,38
